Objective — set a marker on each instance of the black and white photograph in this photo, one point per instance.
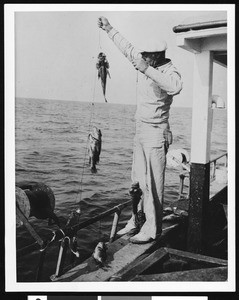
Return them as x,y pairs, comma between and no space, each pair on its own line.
119,142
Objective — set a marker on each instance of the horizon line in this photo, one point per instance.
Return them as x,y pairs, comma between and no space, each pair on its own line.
95,102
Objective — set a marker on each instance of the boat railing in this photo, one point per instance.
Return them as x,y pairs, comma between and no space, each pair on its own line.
66,238
214,164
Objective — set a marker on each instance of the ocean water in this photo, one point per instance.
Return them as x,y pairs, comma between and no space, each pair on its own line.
51,141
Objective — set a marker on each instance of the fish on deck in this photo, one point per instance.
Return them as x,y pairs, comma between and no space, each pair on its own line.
99,253
94,148
102,66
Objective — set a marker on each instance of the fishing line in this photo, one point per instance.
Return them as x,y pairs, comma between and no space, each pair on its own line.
136,87
89,129
99,40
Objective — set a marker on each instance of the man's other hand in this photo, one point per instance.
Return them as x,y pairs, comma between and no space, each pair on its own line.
140,64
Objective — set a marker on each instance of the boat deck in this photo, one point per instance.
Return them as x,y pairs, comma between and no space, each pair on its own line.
215,187
130,262
120,254
126,261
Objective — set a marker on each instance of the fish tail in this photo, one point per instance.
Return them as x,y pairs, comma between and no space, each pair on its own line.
103,87
99,262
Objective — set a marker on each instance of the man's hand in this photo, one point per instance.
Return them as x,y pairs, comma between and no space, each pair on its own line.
104,24
140,64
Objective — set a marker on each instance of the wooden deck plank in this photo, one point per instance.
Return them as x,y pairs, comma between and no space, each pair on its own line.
116,259
120,254
209,274
161,254
189,256
89,264
140,266
130,270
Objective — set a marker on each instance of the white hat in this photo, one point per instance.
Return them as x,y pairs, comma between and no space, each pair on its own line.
153,46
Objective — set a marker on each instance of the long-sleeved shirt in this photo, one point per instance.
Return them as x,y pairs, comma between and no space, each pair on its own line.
156,87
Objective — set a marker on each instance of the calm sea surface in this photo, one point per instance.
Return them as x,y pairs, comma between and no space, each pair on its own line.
51,140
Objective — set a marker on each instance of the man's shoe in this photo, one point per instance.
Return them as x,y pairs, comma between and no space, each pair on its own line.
141,238
130,229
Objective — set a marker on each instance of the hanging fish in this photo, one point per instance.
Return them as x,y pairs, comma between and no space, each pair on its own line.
102,66
94,148
99,253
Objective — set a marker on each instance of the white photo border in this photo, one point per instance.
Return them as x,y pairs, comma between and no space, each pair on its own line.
10,237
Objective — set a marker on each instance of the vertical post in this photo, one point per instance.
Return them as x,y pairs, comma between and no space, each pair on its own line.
74,248
226,161
214,169
200,151
114,225
40,265
61,258
181,176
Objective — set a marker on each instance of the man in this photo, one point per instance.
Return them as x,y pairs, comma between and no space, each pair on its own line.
157,85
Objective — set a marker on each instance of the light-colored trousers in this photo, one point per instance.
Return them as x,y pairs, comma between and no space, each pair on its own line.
149,162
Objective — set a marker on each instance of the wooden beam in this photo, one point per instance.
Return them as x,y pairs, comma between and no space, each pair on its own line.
168,234
198,207
202,113
209,274
192,45
197,41
141,265
188,256
197,45
203,33
215,43
160,256
200,151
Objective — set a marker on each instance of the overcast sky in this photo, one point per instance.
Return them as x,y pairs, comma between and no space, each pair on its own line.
56,54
